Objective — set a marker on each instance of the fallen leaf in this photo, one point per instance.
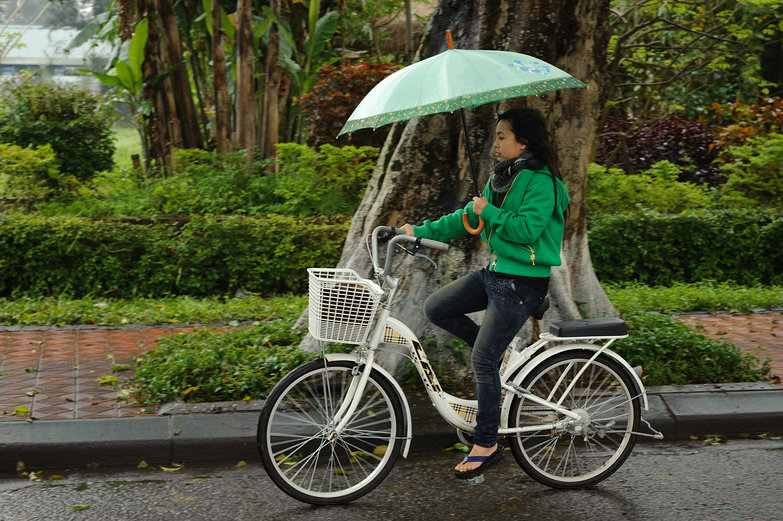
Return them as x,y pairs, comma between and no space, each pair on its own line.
55,477
107,380
21,410
380,450
360,454
143,465
80,507
189,390
174,467
712,440
242,464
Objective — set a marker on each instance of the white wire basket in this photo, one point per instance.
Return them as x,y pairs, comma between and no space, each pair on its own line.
342,305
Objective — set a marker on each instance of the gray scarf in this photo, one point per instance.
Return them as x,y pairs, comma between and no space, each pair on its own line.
506,171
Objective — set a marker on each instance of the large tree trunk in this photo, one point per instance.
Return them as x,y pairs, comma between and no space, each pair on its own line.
424,170
222,101
178,85
246,107
160,141
270,123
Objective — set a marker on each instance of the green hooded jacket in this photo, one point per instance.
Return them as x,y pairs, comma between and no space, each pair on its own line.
523,233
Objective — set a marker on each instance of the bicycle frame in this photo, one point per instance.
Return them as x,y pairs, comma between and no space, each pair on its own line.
458,412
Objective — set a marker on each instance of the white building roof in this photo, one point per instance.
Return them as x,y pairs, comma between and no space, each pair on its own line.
41,46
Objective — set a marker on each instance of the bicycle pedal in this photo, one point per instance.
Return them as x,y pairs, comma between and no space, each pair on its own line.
476,480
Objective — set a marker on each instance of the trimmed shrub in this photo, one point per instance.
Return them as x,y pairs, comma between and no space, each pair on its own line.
200,256
610,190
635,146
208,366
659,250
28,174
733,123
204,366
326,182
755,177
76,123
331,101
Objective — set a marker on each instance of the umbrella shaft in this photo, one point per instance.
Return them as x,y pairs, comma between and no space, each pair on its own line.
470,152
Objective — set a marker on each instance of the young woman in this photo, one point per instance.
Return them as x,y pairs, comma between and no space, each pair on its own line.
523,209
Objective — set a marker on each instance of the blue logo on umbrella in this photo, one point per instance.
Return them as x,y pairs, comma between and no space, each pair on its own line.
535,67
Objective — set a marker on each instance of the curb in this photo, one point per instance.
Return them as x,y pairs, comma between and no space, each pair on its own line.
226,431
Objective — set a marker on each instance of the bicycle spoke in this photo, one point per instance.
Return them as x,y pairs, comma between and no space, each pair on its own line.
302,452
583,450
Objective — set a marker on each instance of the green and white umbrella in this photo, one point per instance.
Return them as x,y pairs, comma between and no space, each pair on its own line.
454,80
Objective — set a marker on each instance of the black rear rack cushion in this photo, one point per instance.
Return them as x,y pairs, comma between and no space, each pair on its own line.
589,327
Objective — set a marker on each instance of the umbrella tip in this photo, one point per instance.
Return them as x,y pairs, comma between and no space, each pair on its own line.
449,40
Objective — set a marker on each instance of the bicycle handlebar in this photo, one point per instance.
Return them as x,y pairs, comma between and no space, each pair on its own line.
399,236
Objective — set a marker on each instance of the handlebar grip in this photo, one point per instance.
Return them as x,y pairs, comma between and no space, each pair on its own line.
435,245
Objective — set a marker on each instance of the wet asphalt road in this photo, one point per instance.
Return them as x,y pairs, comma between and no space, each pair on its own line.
738,480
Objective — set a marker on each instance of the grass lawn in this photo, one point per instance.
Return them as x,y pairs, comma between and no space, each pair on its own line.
128,143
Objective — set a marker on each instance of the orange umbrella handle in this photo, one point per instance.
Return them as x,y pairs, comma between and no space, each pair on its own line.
472,231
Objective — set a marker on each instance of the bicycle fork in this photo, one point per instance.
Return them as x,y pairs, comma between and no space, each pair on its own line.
359,380
353,395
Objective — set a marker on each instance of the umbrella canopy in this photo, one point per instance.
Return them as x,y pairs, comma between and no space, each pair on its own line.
455,79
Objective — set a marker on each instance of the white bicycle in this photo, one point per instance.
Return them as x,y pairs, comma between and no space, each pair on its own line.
332,429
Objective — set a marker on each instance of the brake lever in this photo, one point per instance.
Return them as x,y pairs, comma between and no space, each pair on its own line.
422,256
414,252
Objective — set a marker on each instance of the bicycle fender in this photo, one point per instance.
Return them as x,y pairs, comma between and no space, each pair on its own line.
336,357
549,353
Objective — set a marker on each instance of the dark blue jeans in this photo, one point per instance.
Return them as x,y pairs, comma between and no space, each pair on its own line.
508,305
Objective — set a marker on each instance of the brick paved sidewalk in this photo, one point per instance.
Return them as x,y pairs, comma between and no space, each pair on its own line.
56,373
760,334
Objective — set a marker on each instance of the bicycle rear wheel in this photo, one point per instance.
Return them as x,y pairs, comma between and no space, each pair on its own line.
586,451
301,452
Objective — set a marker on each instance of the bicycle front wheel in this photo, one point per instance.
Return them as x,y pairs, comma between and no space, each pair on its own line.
300,449
584,451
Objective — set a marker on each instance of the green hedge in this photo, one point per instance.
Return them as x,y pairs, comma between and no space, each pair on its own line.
199,256
215,256
661,249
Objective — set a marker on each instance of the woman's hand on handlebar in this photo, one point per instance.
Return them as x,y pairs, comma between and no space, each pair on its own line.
408,229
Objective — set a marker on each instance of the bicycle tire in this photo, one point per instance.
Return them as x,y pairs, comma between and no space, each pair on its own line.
294,434
607,398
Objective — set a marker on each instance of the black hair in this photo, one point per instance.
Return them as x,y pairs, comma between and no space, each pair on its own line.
528,126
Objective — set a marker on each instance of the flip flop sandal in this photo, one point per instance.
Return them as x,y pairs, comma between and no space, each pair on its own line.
486,462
